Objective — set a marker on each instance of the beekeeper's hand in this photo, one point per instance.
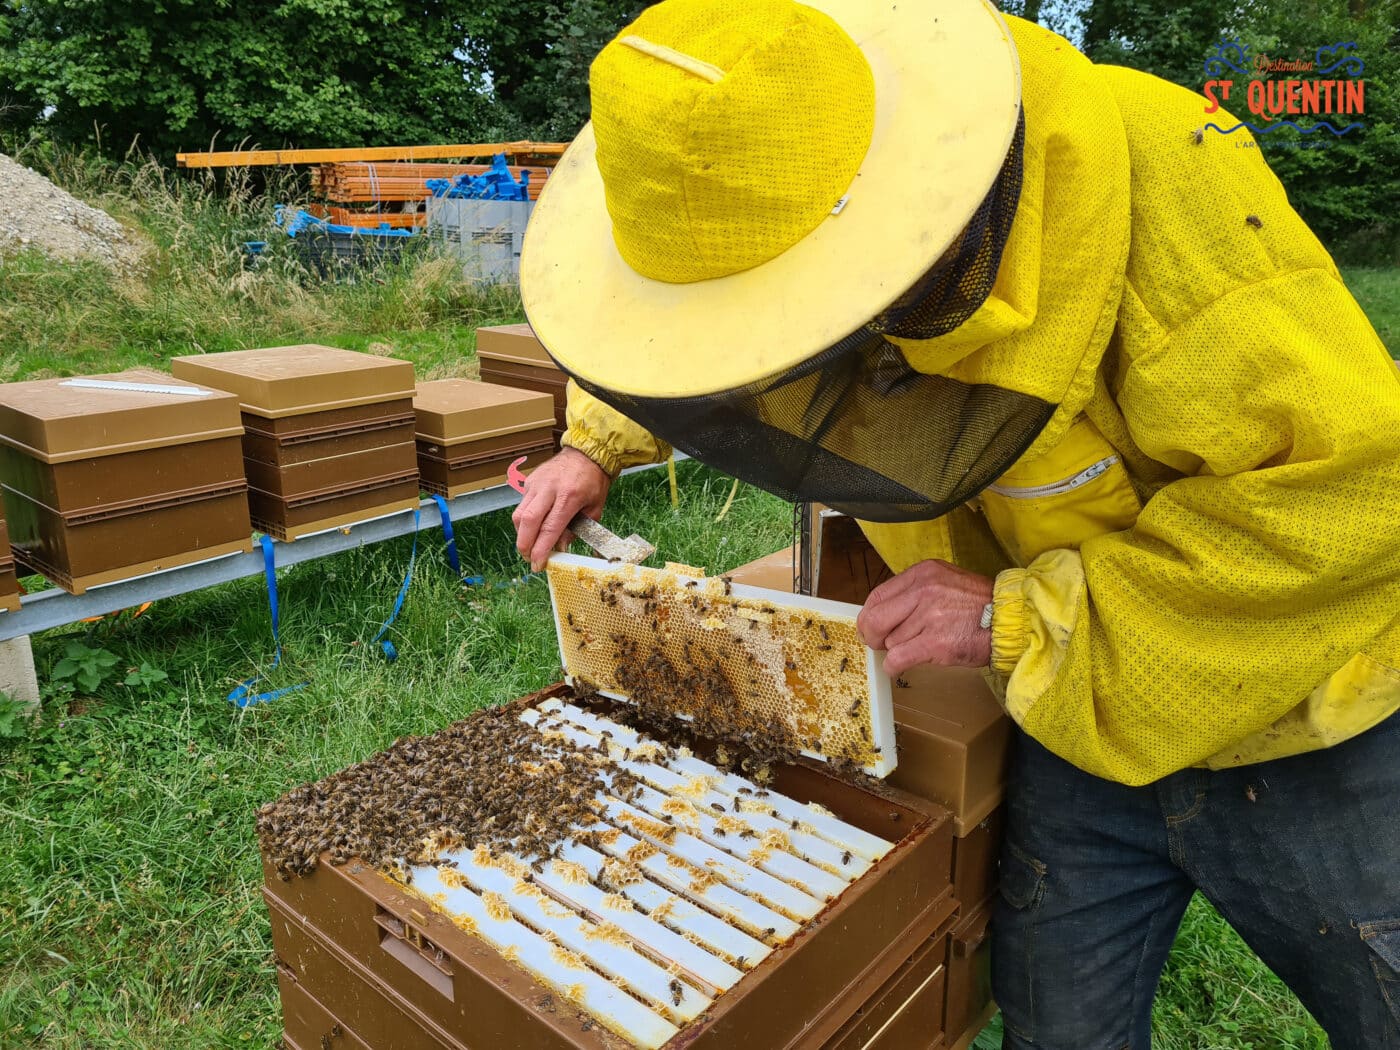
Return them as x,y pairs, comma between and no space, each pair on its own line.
931,613
555,491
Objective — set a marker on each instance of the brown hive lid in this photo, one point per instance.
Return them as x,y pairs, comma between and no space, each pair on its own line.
452,411
281,381
58,420
512,342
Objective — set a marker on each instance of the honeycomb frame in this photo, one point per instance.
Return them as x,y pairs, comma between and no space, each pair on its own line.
778,671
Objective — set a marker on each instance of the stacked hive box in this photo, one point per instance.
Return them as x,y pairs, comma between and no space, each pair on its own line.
9,582
328,433
469,433
375,963
510,355
113,476
953,740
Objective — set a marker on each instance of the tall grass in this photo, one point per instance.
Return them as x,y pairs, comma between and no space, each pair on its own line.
196,292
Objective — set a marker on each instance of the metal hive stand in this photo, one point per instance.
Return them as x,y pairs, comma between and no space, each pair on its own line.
56,608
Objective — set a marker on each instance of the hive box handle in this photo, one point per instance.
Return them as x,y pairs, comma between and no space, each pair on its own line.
406,943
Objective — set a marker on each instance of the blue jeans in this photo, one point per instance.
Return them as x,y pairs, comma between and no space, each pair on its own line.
1301,855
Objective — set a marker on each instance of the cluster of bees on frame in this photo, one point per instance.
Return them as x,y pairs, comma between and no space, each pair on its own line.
489,780
668,669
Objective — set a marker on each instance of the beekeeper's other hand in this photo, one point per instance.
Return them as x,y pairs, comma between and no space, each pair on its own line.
931,613
555,491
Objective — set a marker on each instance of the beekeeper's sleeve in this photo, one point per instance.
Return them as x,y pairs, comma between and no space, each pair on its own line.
607,437
1266,579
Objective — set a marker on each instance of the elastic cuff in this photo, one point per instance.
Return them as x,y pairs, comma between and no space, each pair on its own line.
580,440
1010,621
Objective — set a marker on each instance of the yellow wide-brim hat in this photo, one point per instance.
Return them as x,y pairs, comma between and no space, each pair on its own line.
760,180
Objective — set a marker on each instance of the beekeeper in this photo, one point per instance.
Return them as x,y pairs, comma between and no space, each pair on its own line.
1099,398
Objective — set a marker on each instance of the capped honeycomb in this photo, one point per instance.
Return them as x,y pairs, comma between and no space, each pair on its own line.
779,673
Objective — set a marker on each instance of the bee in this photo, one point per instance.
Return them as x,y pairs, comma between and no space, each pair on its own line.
739,962
1198,136
677,992
824,648
845,858
822,627
794,825
728,585
746,791
716,806
845,663
901,683
1255,221
1251,794
736,805
770,931
720,832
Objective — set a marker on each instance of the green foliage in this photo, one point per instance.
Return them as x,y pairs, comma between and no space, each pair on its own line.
145,677
178,73
1348,189
15,718
553,103
86,667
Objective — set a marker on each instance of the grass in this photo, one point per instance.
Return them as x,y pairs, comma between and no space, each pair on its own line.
130,913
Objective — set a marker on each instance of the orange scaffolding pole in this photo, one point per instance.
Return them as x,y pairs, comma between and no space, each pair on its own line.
260,157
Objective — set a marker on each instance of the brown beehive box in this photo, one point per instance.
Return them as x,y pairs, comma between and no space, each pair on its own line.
515,343
96,474
334,507
395,964
510,355
773,571
969,988
322,435
9,582
906,1013
329,433
954,742
278,382
469,433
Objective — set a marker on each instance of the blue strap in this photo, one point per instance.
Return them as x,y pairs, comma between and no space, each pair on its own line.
243,694
390,653
448,535
453,558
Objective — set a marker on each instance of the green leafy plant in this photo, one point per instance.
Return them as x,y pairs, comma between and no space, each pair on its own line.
86,667
144,677
15,718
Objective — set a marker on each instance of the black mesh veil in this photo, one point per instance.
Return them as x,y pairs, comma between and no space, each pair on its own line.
856,427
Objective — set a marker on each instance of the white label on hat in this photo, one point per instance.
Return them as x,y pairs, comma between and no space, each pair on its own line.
840,204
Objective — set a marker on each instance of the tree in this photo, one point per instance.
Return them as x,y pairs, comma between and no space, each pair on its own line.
1347,188
178,73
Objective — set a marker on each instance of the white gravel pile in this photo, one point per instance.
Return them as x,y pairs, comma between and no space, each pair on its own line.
34,213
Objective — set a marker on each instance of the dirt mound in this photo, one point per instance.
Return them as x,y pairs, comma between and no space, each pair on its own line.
34,213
